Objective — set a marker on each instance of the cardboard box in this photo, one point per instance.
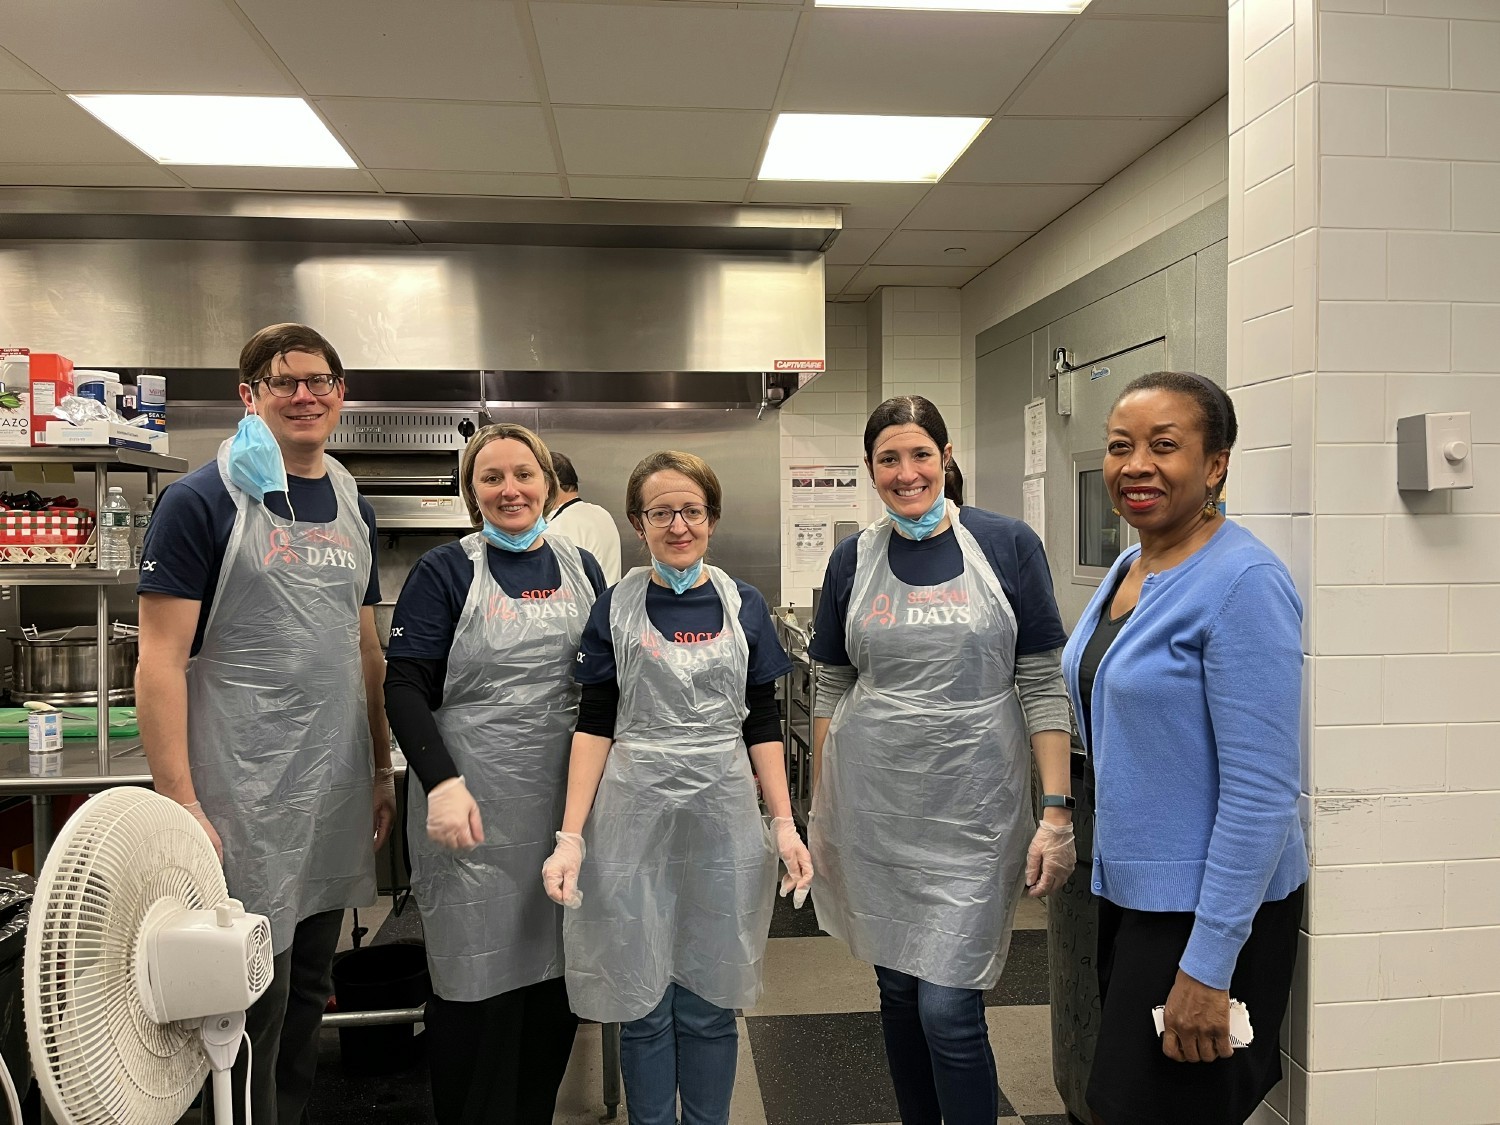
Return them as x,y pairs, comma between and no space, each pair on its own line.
15,400
51,382
58,432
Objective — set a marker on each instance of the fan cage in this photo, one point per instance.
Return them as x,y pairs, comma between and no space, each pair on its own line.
97,1054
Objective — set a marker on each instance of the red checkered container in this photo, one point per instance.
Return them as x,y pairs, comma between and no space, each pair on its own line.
54,527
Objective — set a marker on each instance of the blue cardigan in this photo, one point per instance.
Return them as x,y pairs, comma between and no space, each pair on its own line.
1196,720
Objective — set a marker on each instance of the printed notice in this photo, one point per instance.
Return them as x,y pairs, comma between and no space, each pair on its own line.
812,538
1034,504
825,486
1036,437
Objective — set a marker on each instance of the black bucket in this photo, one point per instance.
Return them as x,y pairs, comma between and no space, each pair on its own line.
376,978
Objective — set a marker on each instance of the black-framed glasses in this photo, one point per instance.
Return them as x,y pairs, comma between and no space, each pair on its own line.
285,386
692,515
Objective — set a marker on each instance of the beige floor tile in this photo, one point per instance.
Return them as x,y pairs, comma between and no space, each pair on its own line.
1031,914
370,917
580,1100
747,1107
813,975
1021,1037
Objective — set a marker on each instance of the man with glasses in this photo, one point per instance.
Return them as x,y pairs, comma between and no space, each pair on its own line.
259,688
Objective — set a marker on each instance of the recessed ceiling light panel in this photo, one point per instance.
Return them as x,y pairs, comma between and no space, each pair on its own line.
1064,7
198,129
866,147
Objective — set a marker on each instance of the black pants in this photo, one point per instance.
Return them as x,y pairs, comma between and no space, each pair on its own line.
283,1026
500,1061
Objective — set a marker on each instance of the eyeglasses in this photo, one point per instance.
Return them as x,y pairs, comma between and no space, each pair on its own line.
692,515
285,386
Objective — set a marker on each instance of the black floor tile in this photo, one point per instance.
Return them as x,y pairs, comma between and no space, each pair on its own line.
1051,1119
343,1098
1024,979
787,921
406,926
822,1070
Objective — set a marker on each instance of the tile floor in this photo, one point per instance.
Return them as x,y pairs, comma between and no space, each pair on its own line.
810,1051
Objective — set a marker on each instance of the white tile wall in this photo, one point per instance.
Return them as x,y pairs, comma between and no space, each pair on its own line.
1474,757
1472,893
1375,1034
1380,759
1471,1027
1459,1093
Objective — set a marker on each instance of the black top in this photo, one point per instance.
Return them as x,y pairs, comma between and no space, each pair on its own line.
1103,636
1013,550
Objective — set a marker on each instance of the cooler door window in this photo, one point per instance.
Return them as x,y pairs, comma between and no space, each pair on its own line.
1098,532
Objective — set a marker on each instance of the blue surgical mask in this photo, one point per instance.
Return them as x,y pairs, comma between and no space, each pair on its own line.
925,525
679,580
255,463
508,542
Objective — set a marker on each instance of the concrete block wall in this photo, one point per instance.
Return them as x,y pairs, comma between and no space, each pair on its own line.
1364,285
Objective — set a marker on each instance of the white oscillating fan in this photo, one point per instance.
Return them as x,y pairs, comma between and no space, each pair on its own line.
139,966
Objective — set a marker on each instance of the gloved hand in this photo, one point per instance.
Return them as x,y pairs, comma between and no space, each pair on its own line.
384,803
213,836
453,817
560,872
799,870
1050,859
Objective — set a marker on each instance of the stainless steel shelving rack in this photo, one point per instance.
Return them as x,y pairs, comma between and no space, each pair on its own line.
99,461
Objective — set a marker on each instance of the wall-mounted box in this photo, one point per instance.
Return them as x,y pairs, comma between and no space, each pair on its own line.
1434,451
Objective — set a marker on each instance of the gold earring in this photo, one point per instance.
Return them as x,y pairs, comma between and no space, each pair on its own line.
1116,511
1210,507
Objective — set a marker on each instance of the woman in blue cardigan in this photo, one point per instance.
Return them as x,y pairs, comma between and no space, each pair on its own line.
1185,673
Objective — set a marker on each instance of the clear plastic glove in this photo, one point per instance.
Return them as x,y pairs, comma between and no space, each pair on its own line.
560,872
1050,859
213,835
453,817
799,870
384,805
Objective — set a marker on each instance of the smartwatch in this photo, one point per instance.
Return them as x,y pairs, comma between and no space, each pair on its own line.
1057,801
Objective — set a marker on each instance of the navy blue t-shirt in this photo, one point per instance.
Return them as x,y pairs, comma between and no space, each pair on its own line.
192,523
692,617
1013,550
432,600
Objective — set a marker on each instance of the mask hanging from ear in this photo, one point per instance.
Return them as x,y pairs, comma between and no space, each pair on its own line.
924,525
519,542
255,463
678,580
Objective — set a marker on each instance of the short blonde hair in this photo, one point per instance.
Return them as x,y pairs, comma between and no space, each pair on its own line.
690,465
483,438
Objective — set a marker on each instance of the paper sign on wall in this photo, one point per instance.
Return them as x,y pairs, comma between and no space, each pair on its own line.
1036,437
825,486
1034,504
812,539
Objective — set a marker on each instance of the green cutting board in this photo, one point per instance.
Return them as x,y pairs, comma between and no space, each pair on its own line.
121,722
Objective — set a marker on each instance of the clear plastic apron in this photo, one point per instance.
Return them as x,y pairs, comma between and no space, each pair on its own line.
278,733
922,817
507,718
680,874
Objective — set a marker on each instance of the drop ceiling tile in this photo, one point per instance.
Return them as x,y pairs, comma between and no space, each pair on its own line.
868,61
458,50
49,129
1132,68
87,175
864,204
679,56
854,246
873,277
1016,207
448,136
407,182
691,144
929,247
15,76
836,277
166,46
1058,150
617,187
1157,8
275,179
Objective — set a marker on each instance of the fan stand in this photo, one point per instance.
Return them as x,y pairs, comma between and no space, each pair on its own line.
221,1043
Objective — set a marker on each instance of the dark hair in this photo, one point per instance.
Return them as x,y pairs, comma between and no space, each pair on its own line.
690,465
276,339
567,476
1216,421
905,410
953,483
483,438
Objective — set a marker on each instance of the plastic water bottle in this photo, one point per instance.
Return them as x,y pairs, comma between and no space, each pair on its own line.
113,534
140,520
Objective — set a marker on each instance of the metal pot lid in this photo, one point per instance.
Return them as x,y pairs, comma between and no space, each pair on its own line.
72,635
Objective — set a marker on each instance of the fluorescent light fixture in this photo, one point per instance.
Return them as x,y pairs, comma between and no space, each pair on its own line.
198,129
1063,7
845,147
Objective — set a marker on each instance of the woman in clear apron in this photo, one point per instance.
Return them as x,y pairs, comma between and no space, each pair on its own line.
922,828
663,853
481,696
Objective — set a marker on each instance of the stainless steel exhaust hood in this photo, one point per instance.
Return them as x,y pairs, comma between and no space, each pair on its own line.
179,280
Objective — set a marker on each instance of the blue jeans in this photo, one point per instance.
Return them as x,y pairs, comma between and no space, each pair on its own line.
937,1046
685,1046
